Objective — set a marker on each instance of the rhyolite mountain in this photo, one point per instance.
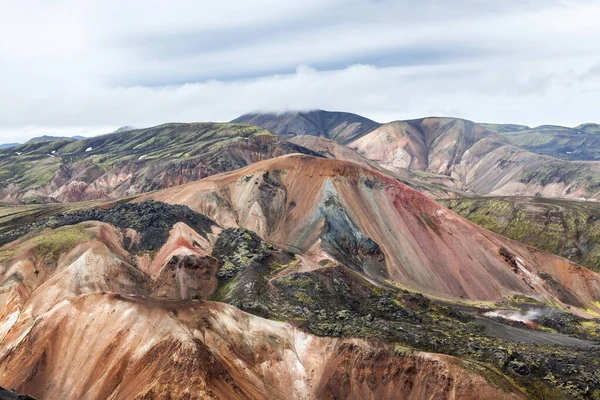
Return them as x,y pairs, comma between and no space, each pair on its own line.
382,228
435,186
443,157
294,277
477,160
339,126
225,261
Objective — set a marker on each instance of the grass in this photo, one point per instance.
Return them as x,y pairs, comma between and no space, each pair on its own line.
567,228
51,245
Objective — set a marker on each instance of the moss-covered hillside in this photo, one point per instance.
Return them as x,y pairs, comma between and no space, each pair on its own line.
568,228
122,163
554,357
579,143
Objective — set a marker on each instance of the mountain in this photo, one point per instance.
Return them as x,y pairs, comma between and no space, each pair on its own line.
477,160
39,139
8,145
136,161
579,143
338,210
221,260
48,138
434,145
435,186
484,159
125,128
129,162
293,277
339,126
565,227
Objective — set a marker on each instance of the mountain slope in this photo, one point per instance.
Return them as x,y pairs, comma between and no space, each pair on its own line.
49,138
388,232
570,229
435,186
476,159
339,126
579,143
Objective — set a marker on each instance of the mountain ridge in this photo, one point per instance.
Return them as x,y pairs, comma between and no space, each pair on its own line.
340,126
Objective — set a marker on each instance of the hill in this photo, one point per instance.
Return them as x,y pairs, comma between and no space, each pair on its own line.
49,138
339,126
579,143
387,231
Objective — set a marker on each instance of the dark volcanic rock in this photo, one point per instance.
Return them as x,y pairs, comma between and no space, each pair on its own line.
344,240
152,219
10,395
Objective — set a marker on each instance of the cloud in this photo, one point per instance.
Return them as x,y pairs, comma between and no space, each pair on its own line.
92,66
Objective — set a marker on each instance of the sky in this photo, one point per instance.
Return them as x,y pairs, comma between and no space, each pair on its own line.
72,67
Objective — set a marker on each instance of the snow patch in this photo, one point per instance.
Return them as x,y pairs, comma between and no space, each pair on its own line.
142,157
89,149
534,279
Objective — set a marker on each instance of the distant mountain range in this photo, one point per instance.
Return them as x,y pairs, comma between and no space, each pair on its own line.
439,156
51,138
8,145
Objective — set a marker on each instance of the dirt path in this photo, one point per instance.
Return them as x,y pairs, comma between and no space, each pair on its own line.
513,334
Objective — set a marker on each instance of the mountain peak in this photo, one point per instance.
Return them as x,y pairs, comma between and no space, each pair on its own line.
342,127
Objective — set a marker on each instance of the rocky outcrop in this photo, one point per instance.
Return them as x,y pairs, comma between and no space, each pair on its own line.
10,395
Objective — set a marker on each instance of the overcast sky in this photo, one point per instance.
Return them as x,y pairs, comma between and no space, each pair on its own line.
86,67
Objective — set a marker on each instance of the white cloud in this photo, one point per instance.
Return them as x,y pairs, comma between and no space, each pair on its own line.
74,66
